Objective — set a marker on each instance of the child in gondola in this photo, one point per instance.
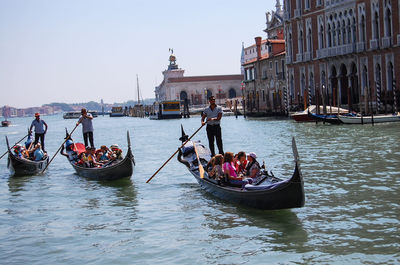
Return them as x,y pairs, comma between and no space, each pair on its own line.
216,172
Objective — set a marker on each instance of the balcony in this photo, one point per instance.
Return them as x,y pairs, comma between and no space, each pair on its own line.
288,59
307,56
386,42
286,15
297,13
299,57
360,46
374,44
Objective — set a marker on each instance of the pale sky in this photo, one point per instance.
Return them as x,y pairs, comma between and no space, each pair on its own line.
82,50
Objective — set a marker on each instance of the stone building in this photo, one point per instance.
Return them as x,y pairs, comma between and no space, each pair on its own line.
197,89
264,68
343,53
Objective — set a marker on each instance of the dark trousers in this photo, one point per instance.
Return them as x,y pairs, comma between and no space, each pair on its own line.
89,135
41,136
214,131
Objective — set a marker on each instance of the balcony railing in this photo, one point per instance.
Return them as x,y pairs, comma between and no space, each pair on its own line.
386,42
297,13
299,57
307,56
374,44
360,46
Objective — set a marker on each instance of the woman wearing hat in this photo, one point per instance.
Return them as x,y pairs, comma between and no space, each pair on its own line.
253,167
40,129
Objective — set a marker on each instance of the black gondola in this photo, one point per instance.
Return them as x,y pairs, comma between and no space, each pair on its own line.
332,119
121,169
24,167
269,193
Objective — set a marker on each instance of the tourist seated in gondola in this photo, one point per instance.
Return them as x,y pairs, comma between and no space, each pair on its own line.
82,160
38,153
216,171
116,153
70,153
230,172
102,154
91,157
241,163
253,167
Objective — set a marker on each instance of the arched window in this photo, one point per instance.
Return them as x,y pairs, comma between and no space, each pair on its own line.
232,93
388,23
301,50
390,76
362,29
321,37
329,44
364,79
183,95
376,25
354,30
309,40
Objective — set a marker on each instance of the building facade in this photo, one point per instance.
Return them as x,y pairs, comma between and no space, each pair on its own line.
343,53
264,68
197,89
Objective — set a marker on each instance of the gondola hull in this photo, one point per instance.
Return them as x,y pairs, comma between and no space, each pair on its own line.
117,170
122,169
24,167
271,194
284,195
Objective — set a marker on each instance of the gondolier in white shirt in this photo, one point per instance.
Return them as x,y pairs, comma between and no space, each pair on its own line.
212,116
87,127
40,130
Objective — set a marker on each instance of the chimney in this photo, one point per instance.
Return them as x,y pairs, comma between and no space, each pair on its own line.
258,44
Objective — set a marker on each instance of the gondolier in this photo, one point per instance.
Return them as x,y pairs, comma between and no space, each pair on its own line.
87,127
40,130
213,114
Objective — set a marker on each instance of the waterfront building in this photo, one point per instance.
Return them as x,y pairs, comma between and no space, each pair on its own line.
264,68
342,53
197,89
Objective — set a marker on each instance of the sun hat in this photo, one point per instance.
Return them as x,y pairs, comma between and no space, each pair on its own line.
252,154
114,146
37,114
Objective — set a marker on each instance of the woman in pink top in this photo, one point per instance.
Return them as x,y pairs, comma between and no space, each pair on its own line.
230,172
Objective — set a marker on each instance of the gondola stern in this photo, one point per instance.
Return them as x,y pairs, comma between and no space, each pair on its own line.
184,137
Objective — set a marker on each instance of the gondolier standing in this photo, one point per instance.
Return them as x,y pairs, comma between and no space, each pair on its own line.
87,127
213,114
40,129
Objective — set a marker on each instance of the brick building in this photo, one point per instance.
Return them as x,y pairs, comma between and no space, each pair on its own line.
264,68
343,52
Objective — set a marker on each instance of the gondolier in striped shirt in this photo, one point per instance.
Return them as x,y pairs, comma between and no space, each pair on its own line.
87,127
40,129
212,116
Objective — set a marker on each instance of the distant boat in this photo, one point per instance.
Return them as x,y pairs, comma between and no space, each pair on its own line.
302,116
379,118
5,123
77,114
117,112
6,114
170,109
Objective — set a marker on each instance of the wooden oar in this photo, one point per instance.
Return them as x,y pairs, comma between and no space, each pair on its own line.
14,145
174,154
201,169
66,139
